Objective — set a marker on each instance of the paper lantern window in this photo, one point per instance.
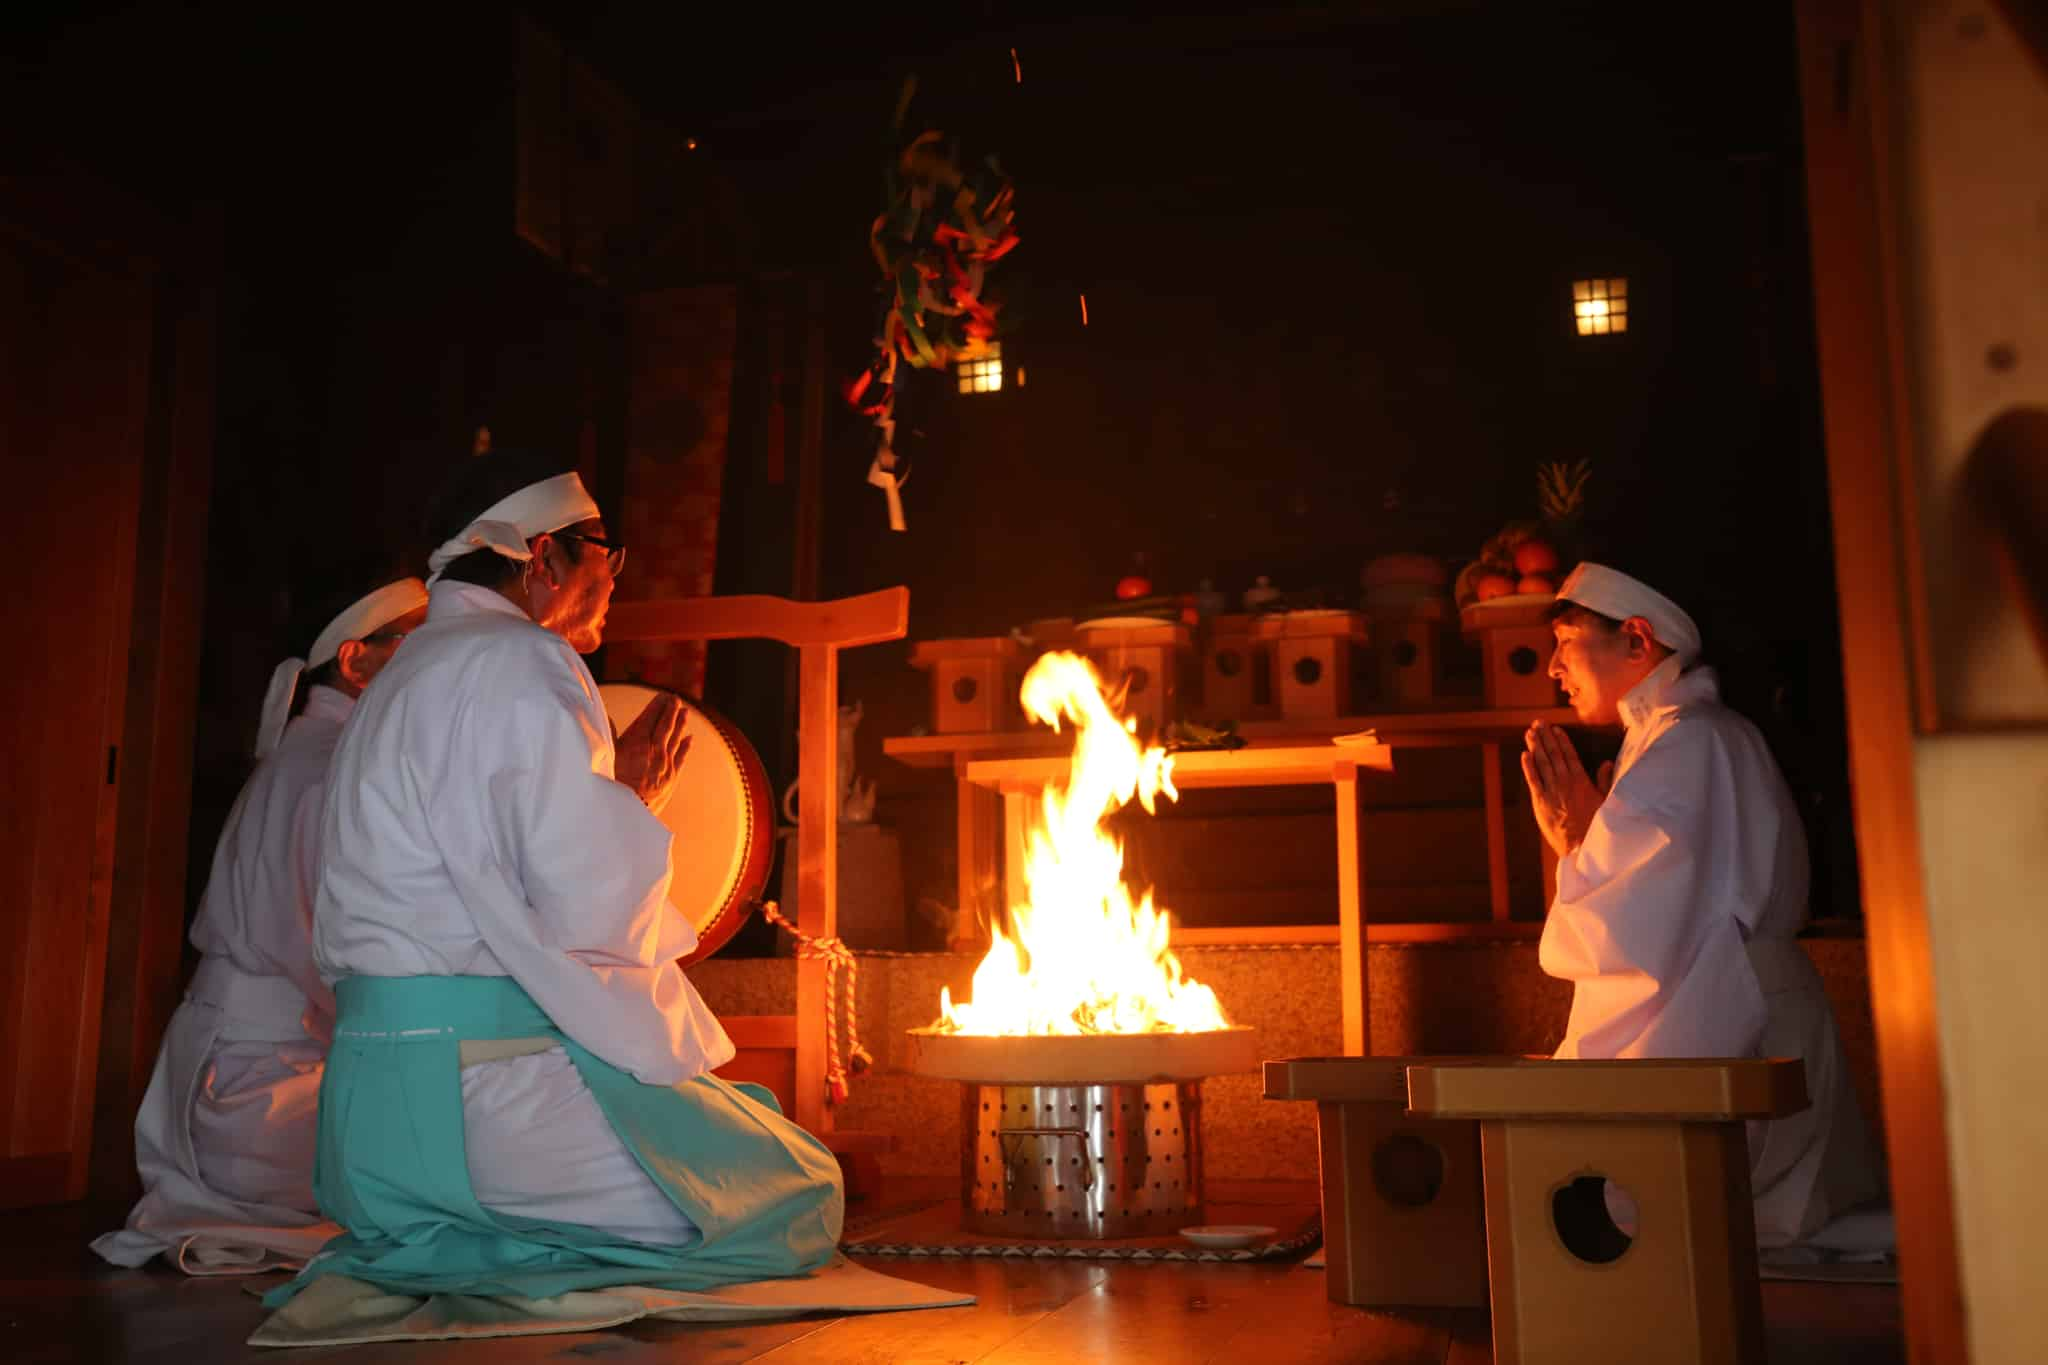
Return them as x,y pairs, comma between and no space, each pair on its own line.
1600,307
984,373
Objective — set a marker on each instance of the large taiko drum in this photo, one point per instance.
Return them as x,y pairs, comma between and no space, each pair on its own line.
721,815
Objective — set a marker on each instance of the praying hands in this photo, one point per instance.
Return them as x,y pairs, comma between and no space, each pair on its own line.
650,753
1560,793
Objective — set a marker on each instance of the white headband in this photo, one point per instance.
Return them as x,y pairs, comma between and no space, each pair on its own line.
507,524
1613,593
365,616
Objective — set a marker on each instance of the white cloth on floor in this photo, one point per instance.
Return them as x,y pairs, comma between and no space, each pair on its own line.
1674,920
224,1139
339,1311
473,828
539,1147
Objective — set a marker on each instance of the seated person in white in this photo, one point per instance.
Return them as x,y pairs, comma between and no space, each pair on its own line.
1681,881
519,1099
224,1140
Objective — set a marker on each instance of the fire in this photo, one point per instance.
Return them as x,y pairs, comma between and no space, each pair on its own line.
1085,957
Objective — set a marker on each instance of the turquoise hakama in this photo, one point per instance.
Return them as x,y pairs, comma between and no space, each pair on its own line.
764,1195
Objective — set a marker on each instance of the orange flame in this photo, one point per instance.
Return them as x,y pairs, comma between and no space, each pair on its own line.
1085,957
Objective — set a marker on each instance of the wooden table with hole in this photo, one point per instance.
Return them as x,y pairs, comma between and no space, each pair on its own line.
995,772
998,774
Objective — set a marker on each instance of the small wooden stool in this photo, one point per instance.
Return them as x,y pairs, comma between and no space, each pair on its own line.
1683,1290
1402,1221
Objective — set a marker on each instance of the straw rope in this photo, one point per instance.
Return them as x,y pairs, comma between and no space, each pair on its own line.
834,954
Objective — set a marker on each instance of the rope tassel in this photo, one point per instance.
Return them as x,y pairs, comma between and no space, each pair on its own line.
834,954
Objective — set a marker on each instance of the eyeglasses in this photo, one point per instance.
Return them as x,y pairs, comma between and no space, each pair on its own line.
614,551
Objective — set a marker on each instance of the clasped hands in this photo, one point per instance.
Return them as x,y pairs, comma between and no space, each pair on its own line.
649,755
1560,793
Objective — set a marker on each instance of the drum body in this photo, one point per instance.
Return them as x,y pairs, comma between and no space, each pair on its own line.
720,813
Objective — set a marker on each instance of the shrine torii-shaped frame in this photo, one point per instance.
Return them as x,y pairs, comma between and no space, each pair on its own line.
818,631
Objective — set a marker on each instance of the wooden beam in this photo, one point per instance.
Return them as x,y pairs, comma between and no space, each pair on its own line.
817,841
869,619
760,1030
1293,766
1332,935
1847,86
1406,730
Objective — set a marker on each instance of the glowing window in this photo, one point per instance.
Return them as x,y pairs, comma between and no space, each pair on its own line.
984,373
1600,307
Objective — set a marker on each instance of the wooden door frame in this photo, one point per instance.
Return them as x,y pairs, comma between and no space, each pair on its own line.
1847,81
77,216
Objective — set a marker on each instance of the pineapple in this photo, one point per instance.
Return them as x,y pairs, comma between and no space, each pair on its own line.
1561,492
1561,501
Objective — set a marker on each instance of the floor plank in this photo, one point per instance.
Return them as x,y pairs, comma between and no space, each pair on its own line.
59,1305
1183,1311
1834,1324
1301,1325
1012,1295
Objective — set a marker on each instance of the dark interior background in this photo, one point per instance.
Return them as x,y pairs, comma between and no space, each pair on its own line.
1326,251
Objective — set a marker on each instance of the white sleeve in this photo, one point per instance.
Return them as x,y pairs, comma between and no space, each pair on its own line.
567,871
1658,965
305,884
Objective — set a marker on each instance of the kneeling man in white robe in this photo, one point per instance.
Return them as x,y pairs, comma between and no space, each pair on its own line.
224,1139
1680,887
519,1100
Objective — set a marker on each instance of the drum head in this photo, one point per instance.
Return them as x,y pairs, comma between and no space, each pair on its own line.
721,816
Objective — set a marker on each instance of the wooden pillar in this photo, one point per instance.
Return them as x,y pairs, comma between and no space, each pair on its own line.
1016,809
817,843
1496,832
1351,916
978,819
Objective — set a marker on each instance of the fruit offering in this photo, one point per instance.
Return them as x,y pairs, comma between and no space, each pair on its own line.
1519,559
1526,557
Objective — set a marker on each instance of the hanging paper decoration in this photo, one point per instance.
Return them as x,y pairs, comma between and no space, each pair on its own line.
941,228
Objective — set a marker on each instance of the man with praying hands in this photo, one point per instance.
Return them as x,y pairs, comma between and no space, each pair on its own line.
1681,882
519,1101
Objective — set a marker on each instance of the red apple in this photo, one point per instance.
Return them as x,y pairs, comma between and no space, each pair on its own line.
1131,585
1534,556
1490,585
1537,583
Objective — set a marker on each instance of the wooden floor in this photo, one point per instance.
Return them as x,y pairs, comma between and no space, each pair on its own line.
59,1303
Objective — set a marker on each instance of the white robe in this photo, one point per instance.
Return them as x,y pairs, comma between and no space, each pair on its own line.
224,1139
473,829
1675,922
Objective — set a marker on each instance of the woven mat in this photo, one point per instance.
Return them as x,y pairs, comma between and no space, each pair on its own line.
933,1228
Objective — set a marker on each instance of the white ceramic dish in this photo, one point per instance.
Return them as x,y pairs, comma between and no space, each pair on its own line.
1228,1236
